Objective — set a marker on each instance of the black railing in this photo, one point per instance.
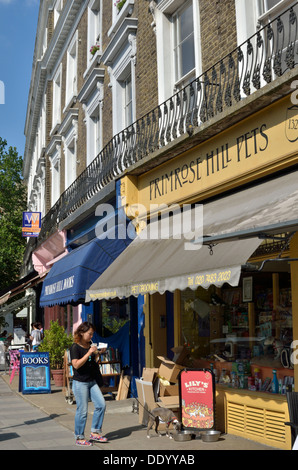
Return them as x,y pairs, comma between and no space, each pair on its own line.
265,56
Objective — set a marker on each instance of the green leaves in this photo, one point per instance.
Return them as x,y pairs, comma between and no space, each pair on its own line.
56,342
12,205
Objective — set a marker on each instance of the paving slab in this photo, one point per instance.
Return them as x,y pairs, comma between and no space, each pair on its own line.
46,421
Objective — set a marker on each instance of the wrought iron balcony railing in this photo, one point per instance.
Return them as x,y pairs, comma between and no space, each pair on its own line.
258,61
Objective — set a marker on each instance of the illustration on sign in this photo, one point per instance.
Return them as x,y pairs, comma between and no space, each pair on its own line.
197,399
34,373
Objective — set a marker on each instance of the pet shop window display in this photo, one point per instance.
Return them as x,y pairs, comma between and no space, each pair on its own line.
247,344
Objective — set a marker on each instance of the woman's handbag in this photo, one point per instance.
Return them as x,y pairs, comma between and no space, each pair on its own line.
98,377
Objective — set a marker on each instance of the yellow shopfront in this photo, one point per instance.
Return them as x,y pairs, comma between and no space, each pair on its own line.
234,312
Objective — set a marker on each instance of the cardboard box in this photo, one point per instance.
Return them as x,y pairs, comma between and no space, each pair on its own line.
168,369
168,390
170,402
146,398
149,374
180,354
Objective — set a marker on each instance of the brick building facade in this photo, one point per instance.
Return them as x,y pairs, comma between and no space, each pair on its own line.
184,102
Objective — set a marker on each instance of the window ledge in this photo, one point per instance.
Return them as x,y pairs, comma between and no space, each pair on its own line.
95,60
126,10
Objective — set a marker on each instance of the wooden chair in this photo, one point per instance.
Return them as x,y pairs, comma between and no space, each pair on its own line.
292,399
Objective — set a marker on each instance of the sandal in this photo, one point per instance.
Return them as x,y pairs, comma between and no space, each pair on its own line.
98,438
83,442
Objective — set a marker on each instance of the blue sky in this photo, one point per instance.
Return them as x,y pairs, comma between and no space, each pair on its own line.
18,22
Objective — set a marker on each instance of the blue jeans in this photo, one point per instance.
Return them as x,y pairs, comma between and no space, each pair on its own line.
82,392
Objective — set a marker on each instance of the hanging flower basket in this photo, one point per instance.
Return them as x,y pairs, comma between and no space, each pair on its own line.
94,49
119,4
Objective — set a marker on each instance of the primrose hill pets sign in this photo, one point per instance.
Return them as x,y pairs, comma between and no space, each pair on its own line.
258,143
34,373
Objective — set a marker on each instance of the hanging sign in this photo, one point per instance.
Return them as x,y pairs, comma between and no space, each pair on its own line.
197,399
35,374
31,224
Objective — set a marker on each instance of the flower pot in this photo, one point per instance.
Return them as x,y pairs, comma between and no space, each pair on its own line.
57,377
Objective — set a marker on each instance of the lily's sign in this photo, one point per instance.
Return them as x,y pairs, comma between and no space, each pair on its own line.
197,401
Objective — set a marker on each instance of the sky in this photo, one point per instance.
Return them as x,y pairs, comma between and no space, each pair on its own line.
18,23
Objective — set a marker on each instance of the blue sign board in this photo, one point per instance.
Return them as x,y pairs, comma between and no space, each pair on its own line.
35,376
31,224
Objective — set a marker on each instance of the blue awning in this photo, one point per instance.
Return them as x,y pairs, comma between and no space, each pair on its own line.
70,277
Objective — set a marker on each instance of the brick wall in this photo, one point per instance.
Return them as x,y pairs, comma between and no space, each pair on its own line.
107,123
218,36
218,30
146,64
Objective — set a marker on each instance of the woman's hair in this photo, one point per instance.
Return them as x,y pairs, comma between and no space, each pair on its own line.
82,328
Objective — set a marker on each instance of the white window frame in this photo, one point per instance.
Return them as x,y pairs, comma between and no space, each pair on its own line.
181,80
266,13
58,7
251,15
119,71
91,96
57,88
127,101
118,16
94,28
69,133
54,152
93,127
71,71
164,14
45,41
70,156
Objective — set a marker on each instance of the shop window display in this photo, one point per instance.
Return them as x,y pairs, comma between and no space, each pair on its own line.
248,344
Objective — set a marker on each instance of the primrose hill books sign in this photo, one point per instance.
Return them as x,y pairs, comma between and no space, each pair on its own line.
35,374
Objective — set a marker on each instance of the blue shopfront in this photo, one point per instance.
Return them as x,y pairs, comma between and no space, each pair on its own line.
119,322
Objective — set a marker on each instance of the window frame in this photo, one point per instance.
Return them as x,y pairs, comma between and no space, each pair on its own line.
164,13
181,78
57,96
94,31
72,71
58,7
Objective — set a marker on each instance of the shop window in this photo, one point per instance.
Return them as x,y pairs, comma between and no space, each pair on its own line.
114,315
245,341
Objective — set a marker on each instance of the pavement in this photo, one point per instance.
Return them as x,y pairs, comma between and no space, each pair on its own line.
46,422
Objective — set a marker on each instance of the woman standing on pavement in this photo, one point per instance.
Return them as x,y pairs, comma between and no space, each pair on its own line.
86,378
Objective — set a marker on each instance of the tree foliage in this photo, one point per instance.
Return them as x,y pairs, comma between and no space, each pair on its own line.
12,205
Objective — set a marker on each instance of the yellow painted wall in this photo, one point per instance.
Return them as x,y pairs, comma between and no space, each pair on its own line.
294,284
262,144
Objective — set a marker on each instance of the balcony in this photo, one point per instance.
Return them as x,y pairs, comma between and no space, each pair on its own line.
252,76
